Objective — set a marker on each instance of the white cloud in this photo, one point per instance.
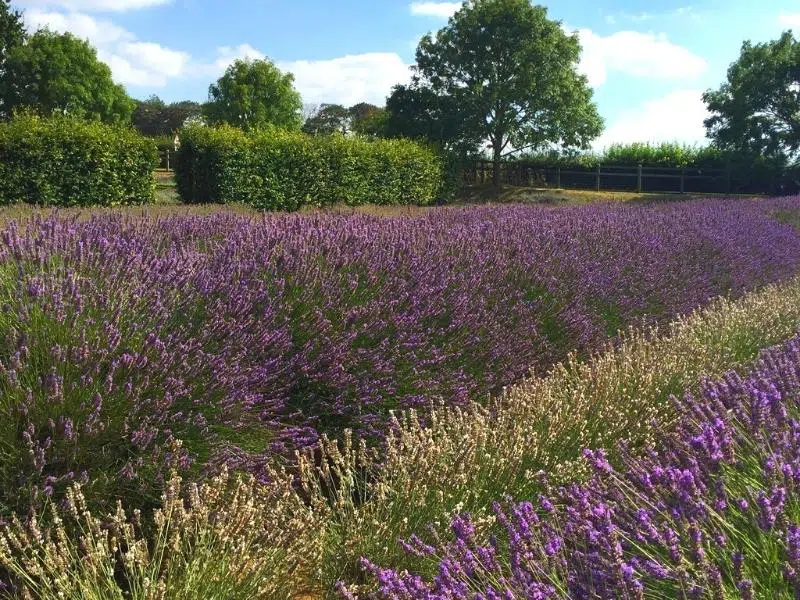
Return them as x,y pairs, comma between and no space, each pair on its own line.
790,20
683,11
635,53
132,62
679,115
345,80
442,10
92,5
225,56
349,79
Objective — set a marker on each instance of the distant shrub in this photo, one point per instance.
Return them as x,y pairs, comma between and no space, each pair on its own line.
748,172
280,170
665,154
62,161
164,142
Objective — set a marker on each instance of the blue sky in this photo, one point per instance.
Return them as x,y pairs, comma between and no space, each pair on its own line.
647,60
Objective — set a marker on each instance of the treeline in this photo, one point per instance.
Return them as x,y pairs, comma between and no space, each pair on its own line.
528,103
665,154
732,170
670,155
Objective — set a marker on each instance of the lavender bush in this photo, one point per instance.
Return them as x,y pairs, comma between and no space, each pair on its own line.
247,338
711,511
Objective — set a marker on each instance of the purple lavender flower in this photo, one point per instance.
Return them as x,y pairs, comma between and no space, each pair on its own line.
624,534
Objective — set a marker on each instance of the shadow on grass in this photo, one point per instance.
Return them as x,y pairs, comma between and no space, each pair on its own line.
482,194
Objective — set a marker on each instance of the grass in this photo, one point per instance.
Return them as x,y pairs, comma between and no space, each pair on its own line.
790,217
168,202
559,197
166,189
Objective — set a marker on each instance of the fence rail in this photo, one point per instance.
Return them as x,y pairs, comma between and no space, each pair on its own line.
636,178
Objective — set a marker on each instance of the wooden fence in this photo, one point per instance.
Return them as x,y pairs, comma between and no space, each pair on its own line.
166,159
637,178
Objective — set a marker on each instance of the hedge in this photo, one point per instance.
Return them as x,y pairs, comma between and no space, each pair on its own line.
63,161
280,170
667,154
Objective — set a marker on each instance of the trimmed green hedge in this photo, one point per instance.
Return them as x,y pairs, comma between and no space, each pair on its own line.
281,170
62,161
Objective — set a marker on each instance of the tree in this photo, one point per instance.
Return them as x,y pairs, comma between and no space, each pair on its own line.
362,118
148,116
178,114
367,119
758,109
59,73
153,117
327,119
252,94
12,34
418,112
12,30
372,123
510,74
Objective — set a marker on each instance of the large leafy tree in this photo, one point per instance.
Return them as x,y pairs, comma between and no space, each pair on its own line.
362,110
418,111
12,34
371,123
757,110
177,114
148,116
253,94
59,73
12,30
154,117
508,76
363,118
368,120
328,119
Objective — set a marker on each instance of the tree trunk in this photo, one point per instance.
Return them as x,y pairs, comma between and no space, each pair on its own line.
496,165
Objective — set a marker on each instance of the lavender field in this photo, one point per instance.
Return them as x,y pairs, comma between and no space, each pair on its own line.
703,513
137,349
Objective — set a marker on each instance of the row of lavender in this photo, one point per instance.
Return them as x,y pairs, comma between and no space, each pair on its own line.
712,510
247,338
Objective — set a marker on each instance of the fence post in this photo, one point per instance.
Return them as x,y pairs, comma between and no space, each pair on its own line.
639,178
558,177
597,178
683,179
167,160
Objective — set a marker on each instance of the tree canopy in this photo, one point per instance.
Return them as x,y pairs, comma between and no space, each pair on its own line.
12,34
419,112
12,30
147,116
328,119
154,117
369,120
253,94
177,114
363,118
757,110
59,73
500,73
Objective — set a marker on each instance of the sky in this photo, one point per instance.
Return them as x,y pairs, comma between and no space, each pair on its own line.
648,61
